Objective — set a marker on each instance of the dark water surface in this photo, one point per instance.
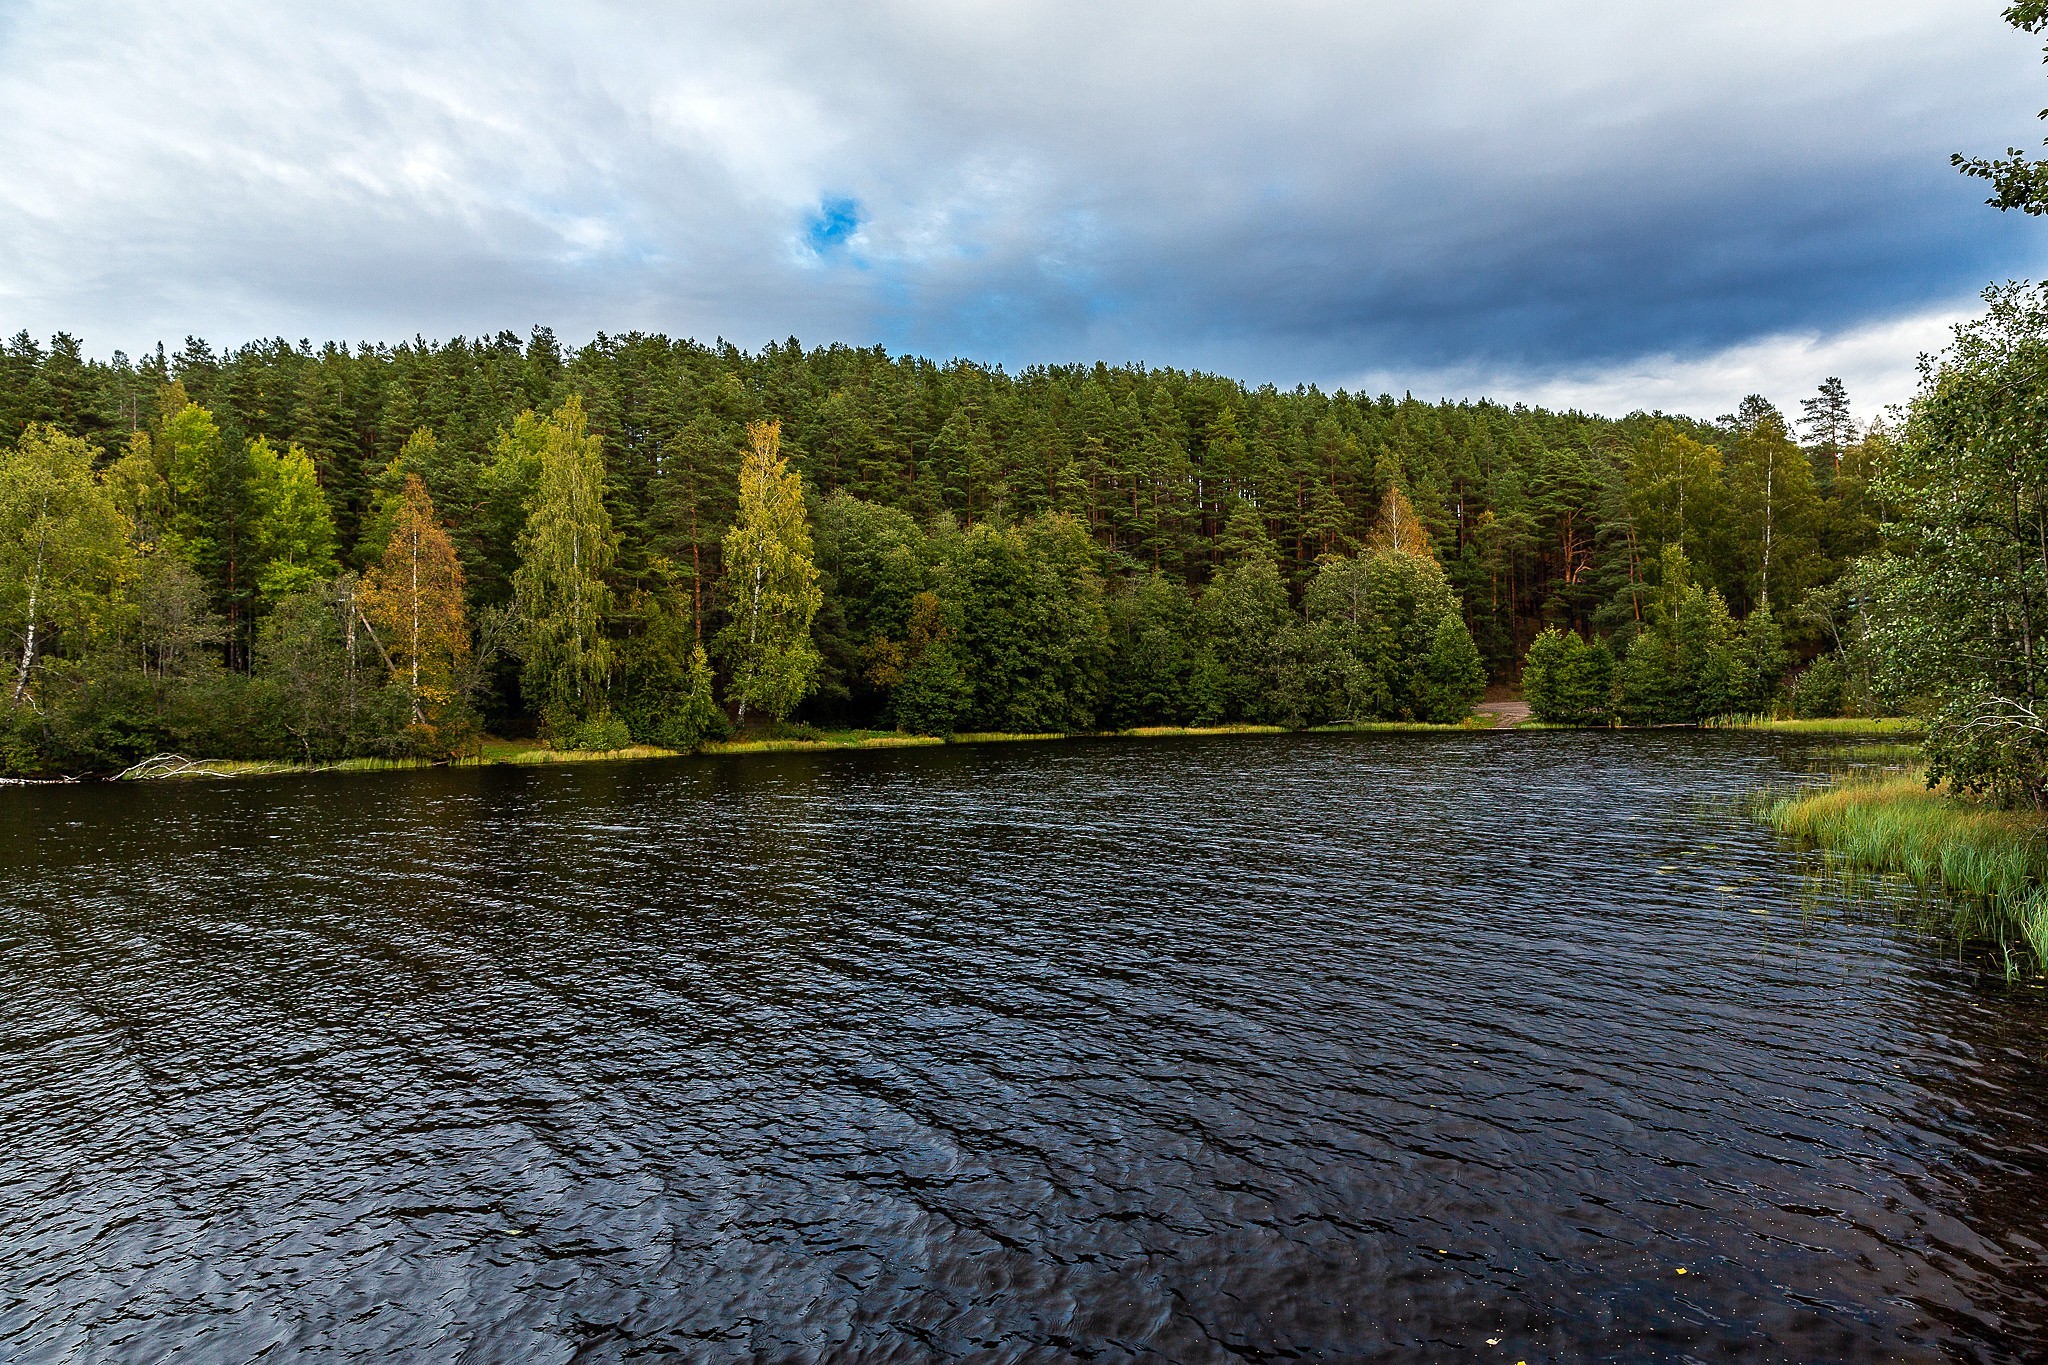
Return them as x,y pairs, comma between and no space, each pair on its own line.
1325,1047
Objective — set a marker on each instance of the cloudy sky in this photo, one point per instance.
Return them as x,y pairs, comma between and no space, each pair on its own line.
1612,203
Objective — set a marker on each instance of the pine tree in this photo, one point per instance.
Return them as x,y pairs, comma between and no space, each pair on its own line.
1828,427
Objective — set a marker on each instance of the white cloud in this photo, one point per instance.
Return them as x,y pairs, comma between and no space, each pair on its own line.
1877,361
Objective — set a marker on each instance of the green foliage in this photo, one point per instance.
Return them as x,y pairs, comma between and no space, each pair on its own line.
63,550
1775,511
930,691
292,533
565,551
665,694
1153,644
603,733
1241,672
872,561
1822,689
1691,661
1032,638
330,702
1205,525
1452,677
771,593
1957,599
1394,641
1567,681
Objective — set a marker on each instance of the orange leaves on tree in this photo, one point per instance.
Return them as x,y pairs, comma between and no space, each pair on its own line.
413,599
1400,529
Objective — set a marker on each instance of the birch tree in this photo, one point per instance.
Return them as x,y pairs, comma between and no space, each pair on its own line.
771,583
413,598
564,553
1770,486
63,546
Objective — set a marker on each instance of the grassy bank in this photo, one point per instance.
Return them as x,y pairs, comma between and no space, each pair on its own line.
1896,824
1828,725
1401,727
533,753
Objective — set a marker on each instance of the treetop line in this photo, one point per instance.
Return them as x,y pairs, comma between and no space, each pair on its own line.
922,544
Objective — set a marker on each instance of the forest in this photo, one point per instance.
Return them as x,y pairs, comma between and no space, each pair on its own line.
292,551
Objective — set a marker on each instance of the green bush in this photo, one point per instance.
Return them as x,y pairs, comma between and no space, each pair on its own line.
601,734
1822,689
1567,681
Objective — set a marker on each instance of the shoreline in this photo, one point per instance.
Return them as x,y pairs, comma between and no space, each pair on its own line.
531,753
1894,823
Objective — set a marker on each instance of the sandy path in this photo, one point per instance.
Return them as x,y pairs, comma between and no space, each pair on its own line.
1506,714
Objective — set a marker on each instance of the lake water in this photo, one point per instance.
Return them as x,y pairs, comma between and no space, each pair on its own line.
1318,1047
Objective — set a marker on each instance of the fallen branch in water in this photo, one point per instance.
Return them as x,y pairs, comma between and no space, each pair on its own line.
177,765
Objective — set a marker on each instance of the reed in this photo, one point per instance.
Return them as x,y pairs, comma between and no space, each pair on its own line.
1872,752
539,755
853,739
1171,731
1397,727
1895,823
1825,725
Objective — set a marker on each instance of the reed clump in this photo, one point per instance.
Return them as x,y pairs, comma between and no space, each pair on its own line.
1896,823
830,739
1172,731
1822,725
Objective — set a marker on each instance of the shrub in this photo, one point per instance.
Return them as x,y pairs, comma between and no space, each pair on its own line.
1567,681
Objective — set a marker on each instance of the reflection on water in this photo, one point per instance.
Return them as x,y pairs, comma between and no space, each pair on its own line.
1250,1048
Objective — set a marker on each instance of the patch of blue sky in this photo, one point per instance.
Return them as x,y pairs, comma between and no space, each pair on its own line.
833,225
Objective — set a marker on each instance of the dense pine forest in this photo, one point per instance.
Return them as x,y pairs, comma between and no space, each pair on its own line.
307,551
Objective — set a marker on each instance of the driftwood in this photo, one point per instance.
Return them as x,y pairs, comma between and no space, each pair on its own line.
177,765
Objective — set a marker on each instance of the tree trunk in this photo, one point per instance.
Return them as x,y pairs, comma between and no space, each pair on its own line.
35,587
418,717
753,634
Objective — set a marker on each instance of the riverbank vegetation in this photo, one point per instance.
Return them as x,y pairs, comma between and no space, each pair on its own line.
287,551
290,553
1937,838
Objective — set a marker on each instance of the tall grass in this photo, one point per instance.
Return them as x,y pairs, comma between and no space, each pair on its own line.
538,755
830,739
1398,727
1170,731
1825,725
1896,824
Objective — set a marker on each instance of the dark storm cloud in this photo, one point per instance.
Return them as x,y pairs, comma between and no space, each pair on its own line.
1505,192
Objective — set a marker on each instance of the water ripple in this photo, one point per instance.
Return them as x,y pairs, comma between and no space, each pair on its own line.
1324,1047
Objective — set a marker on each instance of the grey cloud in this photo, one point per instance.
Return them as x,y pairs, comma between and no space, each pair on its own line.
1284,190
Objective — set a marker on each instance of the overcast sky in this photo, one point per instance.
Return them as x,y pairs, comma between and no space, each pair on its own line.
1613,203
